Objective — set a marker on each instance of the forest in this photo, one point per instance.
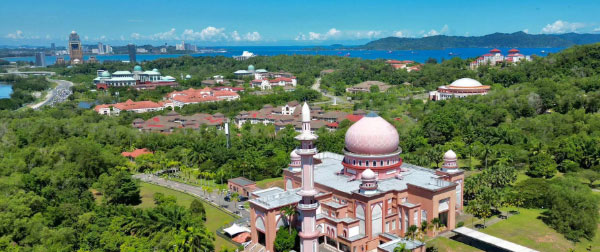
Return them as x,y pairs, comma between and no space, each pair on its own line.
540,122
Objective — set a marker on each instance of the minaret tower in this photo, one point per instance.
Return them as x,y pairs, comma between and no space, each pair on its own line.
308,205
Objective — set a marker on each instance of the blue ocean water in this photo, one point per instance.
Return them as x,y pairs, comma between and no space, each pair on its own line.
5,90
415,55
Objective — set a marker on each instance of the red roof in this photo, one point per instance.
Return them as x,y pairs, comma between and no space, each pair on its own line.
513,51
495,50
280,79
333,125
393,62
200,95
488,55
354,118
135,153
130,105
241,238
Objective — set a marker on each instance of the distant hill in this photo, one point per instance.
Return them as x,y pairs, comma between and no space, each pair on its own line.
517,39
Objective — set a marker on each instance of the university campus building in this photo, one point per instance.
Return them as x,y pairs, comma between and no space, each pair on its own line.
459,88
138,79
363,200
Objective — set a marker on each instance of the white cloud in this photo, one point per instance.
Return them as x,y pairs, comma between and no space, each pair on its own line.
136,35
86,38
209,33
330,34
253,36
235,36
17,35
399,34
333,32
103,37
122,37
367,34
434,32
560,26
596,29
48,36
168,35
526,30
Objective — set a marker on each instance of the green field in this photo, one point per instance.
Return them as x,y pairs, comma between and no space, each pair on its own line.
215,218
449,245
527,230
266,183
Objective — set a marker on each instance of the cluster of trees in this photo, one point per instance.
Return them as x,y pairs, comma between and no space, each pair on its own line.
22,89
51,160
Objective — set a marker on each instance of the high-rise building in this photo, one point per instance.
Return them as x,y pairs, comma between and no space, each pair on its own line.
108,49
52,47
131,51
40,59
75,50
100,48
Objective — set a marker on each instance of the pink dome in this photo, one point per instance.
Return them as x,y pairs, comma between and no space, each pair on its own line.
368,174
372,135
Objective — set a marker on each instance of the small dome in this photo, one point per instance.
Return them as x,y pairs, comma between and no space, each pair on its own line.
465,82
294,155
105,74
250,68
188,76
450,155
372,135
155,70
368,174
137,68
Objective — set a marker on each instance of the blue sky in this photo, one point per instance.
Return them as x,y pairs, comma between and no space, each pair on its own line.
283,22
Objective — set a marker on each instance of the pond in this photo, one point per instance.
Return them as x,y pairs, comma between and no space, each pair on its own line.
5,90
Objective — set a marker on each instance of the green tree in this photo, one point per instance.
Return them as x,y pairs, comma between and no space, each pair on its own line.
289,211
401,248
197,208
286,241
542,166
119,188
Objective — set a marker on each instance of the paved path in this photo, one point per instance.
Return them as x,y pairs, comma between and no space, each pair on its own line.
59,94
317,87
214,198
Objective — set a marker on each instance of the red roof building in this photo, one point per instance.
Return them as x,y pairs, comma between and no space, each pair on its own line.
135,153
129,105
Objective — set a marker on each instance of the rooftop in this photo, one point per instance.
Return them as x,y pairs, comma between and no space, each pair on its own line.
410,244
242,181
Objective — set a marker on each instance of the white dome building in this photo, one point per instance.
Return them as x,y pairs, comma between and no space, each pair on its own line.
459,88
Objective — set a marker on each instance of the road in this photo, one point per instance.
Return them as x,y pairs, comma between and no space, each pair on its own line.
59,94
317,86
213,198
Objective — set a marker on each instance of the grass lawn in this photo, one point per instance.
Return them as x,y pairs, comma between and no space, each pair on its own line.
266,183
215,218
525,229
449,245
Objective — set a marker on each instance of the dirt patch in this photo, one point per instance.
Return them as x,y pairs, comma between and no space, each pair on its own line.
546,238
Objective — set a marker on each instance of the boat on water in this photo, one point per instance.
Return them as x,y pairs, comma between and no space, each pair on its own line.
347,55
543,51
389,51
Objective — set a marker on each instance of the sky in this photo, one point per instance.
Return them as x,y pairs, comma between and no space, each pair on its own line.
283,22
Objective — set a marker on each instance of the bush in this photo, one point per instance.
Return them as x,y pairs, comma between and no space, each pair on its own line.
286,240
460,224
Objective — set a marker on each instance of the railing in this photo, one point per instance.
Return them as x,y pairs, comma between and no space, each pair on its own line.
308,206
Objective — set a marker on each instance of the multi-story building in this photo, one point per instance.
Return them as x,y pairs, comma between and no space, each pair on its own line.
495,57
100,48
129,105
193,96
75,49
245,55
40,59
459,88
138,78
131,50
363,200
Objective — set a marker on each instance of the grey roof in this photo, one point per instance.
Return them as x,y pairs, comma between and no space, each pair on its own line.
333,204
242,181
485,238
390,236
268,191
355,238
408,204
277,199
336,220
414,175
410,244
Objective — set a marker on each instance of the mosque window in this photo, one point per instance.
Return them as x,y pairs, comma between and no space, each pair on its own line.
367,163
360,163
388,162
381,163
354,162
374,163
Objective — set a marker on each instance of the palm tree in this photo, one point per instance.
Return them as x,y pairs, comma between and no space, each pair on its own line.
288,211
235,197
423,229
411,232
401,248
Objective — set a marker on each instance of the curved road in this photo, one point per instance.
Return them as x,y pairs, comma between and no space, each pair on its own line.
317,86
56,95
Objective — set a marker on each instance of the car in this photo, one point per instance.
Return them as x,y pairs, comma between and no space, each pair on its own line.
241,208
227,198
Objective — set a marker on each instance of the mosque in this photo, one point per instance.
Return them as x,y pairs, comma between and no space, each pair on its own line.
363,200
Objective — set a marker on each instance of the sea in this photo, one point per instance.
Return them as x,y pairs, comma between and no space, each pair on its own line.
414,55
5,90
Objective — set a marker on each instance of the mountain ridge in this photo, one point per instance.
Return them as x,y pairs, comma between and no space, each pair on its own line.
516,39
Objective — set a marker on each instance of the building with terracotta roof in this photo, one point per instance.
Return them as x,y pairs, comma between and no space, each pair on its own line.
363,200
174,121
409,65
193,96
459,88
129,105
495,57
135,153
